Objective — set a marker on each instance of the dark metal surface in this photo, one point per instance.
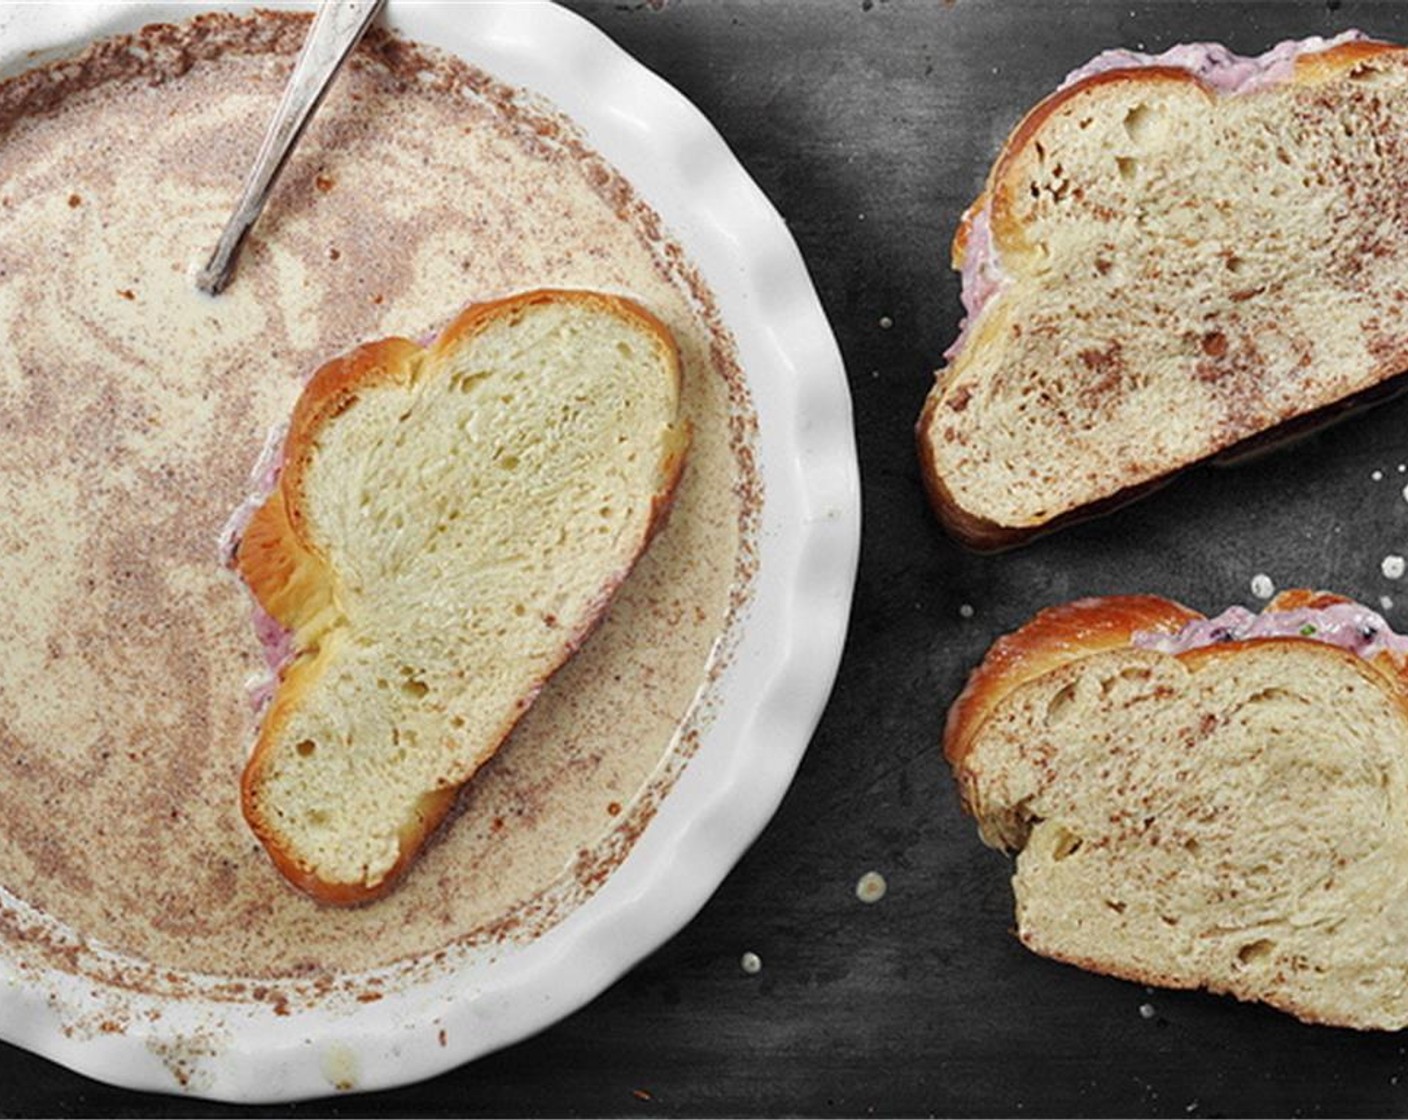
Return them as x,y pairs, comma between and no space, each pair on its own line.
870,124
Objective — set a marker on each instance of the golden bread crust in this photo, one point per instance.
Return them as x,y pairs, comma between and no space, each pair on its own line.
1005,183
1055,637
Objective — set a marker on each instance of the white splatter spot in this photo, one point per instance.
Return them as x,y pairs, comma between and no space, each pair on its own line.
340,1067
1403,468
1393,567
965,610
1386,602
751,963
1262,587
871,887
1146,1010
1377,476
886,322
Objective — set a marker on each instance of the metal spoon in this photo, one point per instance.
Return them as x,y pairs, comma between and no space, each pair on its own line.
336,29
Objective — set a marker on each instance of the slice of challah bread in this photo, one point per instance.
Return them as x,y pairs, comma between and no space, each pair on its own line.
448,525
1170,258
1231,814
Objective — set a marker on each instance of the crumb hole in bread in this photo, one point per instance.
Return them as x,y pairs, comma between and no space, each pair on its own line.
1272,694
1059,705
1367,73
1128,167
1191,846
1255,951
1067,845
1168,919
1131,675
626,350
1139,122
1115,905
1235,264
507,462
415,688
305,748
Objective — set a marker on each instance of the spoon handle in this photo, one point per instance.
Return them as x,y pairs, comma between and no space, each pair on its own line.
336,29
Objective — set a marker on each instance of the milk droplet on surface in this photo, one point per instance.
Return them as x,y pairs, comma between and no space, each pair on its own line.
965,610
751,963
1262,587
1393,567
871,887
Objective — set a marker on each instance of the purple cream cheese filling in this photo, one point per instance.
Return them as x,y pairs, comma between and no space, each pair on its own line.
1347,625
277,641
1224,70
1227,72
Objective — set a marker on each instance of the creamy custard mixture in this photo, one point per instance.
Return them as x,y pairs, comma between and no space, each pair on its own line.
132,410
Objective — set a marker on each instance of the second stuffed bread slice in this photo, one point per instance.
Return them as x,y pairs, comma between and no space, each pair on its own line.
448,526
1193,802
1172,255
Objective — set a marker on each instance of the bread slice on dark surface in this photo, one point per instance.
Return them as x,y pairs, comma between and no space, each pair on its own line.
1232,816
449,524
1161,269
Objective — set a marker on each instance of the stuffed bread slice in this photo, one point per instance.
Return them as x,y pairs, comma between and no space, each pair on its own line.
448,526
1203,803
1172,256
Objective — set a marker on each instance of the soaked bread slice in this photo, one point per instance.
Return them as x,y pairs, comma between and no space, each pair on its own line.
448,526
1160,269
1232,817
